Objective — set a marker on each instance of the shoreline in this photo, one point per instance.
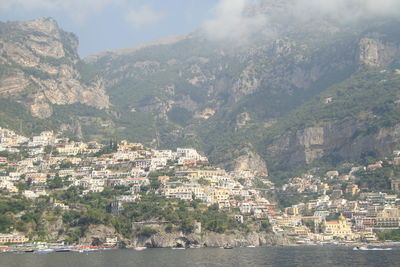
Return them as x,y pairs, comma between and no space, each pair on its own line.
84,249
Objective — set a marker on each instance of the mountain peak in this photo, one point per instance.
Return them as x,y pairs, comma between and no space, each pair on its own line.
42,67
46,25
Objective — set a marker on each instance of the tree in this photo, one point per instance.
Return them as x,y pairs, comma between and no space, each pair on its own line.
66,164
186,225
48,149
147,232
56,182
154,183
22,186
5,223
169,228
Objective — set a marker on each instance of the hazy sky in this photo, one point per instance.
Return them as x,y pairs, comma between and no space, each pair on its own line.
110,24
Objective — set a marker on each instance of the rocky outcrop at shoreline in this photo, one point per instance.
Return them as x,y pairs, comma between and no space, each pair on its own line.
163,239
169,240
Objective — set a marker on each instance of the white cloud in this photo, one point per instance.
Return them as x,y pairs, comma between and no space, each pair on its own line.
347,10
229,21
143,16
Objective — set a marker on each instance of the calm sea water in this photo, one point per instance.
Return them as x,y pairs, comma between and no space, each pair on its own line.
276,256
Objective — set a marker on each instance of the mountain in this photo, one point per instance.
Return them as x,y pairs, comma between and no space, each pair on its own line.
281,94
318,90
39,70
40,66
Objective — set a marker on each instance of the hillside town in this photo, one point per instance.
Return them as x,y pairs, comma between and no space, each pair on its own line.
331,207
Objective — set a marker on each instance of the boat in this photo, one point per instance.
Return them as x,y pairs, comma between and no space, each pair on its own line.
178,248
63,250
44,251
371,249
4,249
251,246
228,247
139,248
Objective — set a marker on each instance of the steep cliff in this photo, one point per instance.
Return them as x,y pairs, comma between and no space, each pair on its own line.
246,159
40,67
350,120
165,240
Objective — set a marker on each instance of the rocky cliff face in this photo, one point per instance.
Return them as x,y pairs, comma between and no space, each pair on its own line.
246,160
340,140
367,129
164,240
99,233
375,52
40,67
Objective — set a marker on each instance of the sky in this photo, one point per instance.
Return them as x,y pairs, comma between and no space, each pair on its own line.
111,24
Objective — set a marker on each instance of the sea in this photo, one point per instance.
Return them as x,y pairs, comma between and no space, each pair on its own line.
260,256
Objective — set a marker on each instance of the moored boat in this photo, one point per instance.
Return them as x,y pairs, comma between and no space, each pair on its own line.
44,251
372,249
63,250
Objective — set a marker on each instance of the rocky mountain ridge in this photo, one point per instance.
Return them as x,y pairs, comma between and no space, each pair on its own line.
308,93
40,67
237,92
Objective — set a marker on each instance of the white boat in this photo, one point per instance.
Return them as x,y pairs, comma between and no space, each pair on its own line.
44,251
373,249
381,249
139,248
178,248
251,246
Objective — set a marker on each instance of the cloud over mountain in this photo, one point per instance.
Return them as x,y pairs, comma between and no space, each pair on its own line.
231,19
230,22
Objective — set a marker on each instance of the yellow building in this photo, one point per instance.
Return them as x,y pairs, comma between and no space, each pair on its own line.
301,231
389,217
12,239
72,149
352,189
220,195
211,173
338,229
126,146
294,210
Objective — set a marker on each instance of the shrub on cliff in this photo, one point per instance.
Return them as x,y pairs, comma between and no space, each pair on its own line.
147,232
